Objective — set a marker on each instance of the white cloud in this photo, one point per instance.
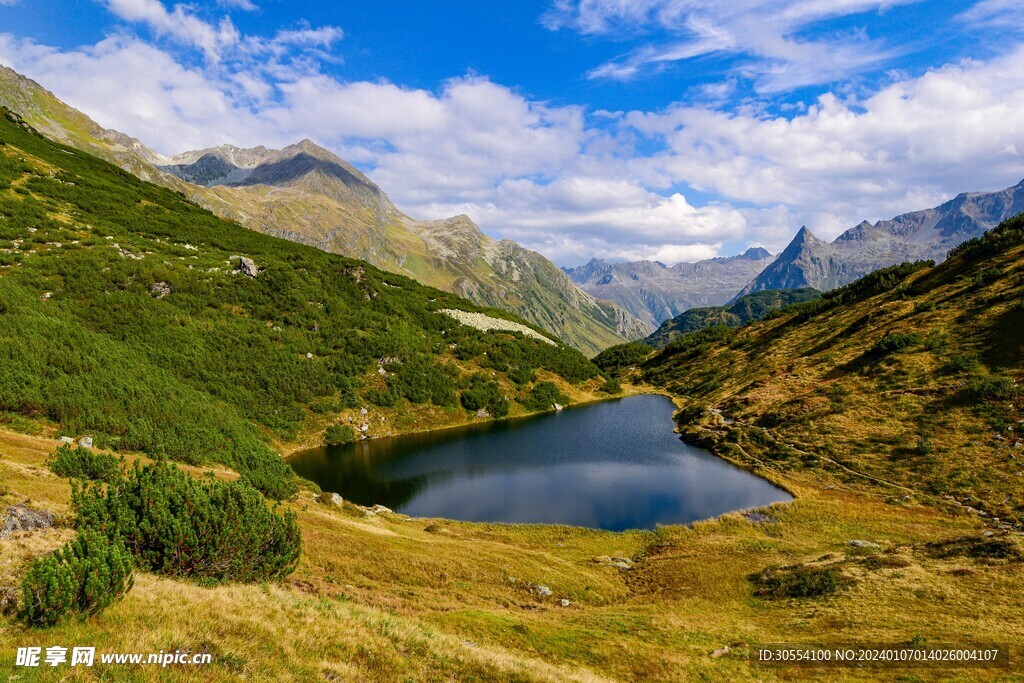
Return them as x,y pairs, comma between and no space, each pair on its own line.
179,23
766,31
246,5
911,145
556,178
995,14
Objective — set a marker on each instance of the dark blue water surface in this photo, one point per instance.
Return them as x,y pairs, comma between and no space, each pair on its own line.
614,465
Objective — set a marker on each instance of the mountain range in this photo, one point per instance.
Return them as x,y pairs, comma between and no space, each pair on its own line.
866,247
306,194
655,292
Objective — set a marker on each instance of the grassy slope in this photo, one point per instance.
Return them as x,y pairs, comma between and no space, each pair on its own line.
543,295
919,417
217,368
746,309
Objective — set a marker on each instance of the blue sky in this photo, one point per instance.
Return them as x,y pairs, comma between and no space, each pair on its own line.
667,129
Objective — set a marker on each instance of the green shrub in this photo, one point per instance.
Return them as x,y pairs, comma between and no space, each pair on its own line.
799,582
185,527
83,463
85,576
994,388
338,435
611,386
893,343
484,393
621,356
961,363
543,396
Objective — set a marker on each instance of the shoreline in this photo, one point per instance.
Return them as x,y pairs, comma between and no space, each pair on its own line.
290,450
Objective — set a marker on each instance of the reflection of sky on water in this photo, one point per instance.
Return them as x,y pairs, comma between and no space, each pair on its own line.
614,465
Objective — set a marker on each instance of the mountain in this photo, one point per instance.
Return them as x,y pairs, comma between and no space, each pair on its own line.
748,308
133,316
305,194
654,292
910,378
919,235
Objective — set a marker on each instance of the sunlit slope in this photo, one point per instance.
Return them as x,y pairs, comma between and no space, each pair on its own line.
129,314
302,200
912,375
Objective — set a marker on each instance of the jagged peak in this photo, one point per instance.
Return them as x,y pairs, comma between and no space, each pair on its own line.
756,253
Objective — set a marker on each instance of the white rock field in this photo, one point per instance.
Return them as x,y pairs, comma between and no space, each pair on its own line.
485,322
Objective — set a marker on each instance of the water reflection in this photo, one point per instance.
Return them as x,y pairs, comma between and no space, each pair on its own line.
614,465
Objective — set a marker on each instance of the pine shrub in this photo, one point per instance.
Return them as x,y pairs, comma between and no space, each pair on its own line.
338,435
543,396
82,463
85,576
185,527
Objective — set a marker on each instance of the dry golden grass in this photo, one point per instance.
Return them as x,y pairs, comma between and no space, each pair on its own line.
389,598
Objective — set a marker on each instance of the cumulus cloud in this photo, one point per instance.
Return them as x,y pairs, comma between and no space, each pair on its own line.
911,145
558,178
767,32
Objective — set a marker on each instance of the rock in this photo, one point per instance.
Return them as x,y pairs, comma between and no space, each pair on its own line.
377,510
85,442
863,544
758,518
542,591
363,411
159,289
247,266
482,413
564,603
720,651
337,499
557,407
309,356
24,518
364,428
65,439
621,563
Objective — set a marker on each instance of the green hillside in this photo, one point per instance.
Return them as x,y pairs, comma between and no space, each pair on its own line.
910,378
125,314
748,308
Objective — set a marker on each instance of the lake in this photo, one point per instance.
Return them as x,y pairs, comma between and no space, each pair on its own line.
613,465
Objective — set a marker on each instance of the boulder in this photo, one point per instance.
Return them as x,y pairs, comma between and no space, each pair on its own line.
557,407
542,591
337,499
863,544
720,651
159,289
564,603
85,442
363,411
24,518
247,266
483,413
65,440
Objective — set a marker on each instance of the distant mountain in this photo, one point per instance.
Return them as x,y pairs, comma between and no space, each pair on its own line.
654,292
748,308
920,235
306,194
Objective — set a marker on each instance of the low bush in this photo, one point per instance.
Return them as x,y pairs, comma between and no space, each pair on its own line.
85,576
611,386
799,581
994,388
339,435
83,463
485,394
185,527
543,396
893,343
622,355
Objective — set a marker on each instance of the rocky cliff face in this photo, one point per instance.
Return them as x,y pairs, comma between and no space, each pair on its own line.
866,247
654,292
306,194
